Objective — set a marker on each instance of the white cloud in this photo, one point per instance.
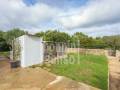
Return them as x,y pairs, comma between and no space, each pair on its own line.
96,18
15,13
106,30
95,13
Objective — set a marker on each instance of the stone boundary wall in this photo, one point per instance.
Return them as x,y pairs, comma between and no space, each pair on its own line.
86,51
118,53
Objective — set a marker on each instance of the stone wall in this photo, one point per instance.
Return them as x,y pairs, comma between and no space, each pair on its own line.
86,51
118,53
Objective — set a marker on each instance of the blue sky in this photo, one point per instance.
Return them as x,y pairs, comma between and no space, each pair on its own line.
65,4
92,17
30,2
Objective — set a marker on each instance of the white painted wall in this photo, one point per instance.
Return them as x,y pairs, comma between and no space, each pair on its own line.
31,50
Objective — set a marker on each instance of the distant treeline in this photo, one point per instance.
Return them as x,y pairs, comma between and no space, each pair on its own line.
78,38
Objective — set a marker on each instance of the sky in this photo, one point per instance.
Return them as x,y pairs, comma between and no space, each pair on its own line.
92,17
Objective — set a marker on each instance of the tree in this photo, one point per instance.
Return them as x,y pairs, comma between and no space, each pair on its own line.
7,37
40,34
2,34
113,42
88,42
3,45
12,34
54,35
99,43
84,40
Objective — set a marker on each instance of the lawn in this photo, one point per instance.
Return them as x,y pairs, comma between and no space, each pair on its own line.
4,54
90,69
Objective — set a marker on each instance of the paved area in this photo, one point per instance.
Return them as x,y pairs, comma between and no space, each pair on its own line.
114,73
35,79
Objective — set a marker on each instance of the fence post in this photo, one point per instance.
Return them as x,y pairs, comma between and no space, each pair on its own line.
78,50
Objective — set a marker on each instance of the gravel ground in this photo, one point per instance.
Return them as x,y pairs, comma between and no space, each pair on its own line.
114,73
35,79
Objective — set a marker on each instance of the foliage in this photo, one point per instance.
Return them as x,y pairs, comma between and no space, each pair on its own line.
112,41
55,36
40,34
87,42
3,45
5,54
12,34
79,38
7,37
2,34
99,43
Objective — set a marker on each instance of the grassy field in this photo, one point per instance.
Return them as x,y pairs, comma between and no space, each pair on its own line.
5,54
90,69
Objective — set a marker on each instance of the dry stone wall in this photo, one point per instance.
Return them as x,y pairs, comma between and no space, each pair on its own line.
86,51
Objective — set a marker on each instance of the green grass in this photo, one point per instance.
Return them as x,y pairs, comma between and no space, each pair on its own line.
91,69
5,54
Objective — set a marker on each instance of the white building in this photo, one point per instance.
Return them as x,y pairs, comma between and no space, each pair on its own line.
32,51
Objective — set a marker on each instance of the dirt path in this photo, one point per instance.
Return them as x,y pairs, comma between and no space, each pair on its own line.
114,73
35,79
